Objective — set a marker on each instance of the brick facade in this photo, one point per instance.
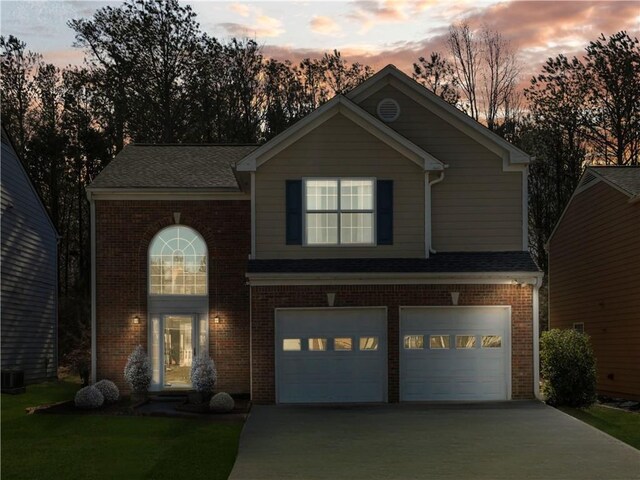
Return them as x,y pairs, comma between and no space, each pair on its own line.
265,299
124,230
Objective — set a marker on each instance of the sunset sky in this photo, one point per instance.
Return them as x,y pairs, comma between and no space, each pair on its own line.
372,32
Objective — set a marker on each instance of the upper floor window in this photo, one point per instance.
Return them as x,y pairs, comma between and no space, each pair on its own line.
178,262
339,211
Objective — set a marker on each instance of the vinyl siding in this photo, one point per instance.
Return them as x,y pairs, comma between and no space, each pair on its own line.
477,207
339,148
594,267
29,277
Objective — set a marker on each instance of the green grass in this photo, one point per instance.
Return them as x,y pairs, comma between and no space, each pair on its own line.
622,425
114,447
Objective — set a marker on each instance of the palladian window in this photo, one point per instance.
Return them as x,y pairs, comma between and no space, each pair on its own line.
178,262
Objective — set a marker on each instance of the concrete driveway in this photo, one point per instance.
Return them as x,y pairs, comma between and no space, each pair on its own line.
514,440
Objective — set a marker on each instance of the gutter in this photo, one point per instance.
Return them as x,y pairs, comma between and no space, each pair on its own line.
536,338
94,346
429,234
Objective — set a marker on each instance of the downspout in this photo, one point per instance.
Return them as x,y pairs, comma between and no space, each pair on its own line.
253,215
94,346
536,338
430,233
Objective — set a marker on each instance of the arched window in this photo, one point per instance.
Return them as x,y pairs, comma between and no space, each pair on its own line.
178,262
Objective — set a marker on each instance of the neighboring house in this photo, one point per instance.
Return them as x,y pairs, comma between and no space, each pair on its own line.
594,274
307,267
29,274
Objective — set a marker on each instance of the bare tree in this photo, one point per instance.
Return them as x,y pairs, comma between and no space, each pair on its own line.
500,75
466,53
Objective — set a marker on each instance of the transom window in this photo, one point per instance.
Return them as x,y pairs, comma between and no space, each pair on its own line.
339,211
178,262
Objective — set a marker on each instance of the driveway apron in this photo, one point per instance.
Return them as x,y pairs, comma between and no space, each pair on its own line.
507,440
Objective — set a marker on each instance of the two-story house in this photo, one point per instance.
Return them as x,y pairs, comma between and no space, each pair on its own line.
375,251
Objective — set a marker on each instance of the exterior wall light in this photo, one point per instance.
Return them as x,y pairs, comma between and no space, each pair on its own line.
136,320
216,319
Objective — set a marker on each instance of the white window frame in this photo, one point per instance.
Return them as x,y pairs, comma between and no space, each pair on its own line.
339,211
177,295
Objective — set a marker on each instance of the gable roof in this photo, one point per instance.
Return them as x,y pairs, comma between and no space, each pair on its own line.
390,75
6,140
625,179
173,166
340,105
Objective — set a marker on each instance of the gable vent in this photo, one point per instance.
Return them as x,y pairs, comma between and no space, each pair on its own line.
388,110
587,180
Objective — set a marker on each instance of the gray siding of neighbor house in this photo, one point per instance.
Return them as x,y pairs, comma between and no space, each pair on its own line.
29,275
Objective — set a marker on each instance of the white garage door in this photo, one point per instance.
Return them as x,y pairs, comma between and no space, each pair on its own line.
455,353
331,355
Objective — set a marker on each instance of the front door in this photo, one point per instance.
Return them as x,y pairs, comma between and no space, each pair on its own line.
179,350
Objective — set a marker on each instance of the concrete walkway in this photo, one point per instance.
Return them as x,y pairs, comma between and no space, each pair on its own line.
514,440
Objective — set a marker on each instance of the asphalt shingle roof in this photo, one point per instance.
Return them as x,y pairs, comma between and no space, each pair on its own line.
173,166
446,262
627,178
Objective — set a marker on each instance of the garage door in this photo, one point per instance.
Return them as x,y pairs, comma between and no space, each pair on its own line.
331,355
455,353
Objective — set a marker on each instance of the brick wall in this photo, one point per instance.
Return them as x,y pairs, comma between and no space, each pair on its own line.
124,230
265,299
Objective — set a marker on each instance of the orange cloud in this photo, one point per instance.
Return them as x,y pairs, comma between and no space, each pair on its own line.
324,25
371,13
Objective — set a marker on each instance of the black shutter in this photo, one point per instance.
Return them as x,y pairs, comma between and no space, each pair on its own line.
294,212
384,212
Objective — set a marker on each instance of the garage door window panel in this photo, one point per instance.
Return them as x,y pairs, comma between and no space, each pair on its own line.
343,344
317,344
414,342
465,341
368,343
291,345
491,341
439,342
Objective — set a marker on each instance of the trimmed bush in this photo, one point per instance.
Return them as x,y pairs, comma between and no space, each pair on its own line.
568,368
109,391
203,374
137,371
89,398
221,403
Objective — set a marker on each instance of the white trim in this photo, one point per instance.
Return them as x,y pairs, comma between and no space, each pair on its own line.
253,215
508,369
165,194
525,208
429,236
250,342
390,75
427,214
536,340
339,105
94,323
583,188
507,278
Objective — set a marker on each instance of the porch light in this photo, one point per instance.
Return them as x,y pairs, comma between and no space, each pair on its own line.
136,320
216,319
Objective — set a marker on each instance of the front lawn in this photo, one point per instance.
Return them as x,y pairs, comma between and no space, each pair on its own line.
94,447
622,425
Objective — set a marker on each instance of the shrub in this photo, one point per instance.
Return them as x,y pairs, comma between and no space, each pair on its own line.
203,374
568,368
89,397
221,403
137,371
109,391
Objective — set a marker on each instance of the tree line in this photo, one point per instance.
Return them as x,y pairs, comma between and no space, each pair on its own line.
151,75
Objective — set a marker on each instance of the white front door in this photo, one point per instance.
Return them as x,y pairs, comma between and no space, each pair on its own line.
178,350
455,353
331,355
